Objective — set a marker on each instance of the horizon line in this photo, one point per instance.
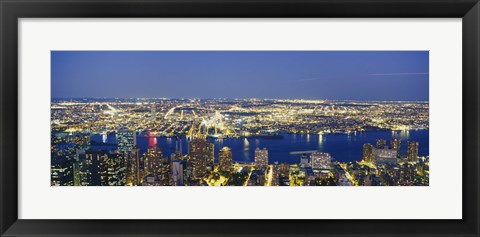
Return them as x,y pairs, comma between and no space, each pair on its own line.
249,98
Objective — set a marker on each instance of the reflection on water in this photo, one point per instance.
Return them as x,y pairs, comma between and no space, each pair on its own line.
246,144
342,147
152,141
320,142
402,134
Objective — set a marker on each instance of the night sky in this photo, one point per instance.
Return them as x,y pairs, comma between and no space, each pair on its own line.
339,75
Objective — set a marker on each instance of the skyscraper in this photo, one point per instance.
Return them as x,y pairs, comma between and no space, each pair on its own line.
261,157
96,168
412,153
395,145
211,153
133,167
166,172
61,171
367,152
276,174
126,140
200,154
116,169
225,158
381,144
153,162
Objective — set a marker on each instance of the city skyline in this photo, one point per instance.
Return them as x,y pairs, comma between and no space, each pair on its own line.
329,75
241,118
239,143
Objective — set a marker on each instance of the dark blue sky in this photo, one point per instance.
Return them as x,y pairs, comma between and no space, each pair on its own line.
355,75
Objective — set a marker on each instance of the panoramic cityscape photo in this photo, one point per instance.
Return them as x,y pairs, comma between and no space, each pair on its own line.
239,118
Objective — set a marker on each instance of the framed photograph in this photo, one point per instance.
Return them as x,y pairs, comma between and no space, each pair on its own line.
252,118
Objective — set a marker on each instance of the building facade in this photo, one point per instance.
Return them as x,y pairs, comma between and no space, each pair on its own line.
261,157
225,159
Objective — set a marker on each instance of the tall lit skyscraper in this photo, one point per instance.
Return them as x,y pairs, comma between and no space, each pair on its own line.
412,153
367,152
133,167
96,168
381,144
200,154
211,153
395,145
261,157
116,169
166,174
61,171
225,158
284,170
276,174
153,162
126,140
321,160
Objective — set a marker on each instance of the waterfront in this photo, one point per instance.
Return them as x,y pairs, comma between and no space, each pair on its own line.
342,147
231,118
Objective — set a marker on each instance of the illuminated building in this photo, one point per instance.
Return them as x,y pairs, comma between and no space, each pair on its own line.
320,160
211,153
200,154
126,140
61,171
179,173
225,159
304,161
261,157
77,127
381,144
284,170
384,156
276,174
412,152
367,152
165,176
153,162
116,169
395,145
95,168
133,167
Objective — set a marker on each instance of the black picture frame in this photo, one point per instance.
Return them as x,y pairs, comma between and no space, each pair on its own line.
11,11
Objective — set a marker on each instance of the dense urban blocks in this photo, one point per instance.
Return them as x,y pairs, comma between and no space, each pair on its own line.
83,152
